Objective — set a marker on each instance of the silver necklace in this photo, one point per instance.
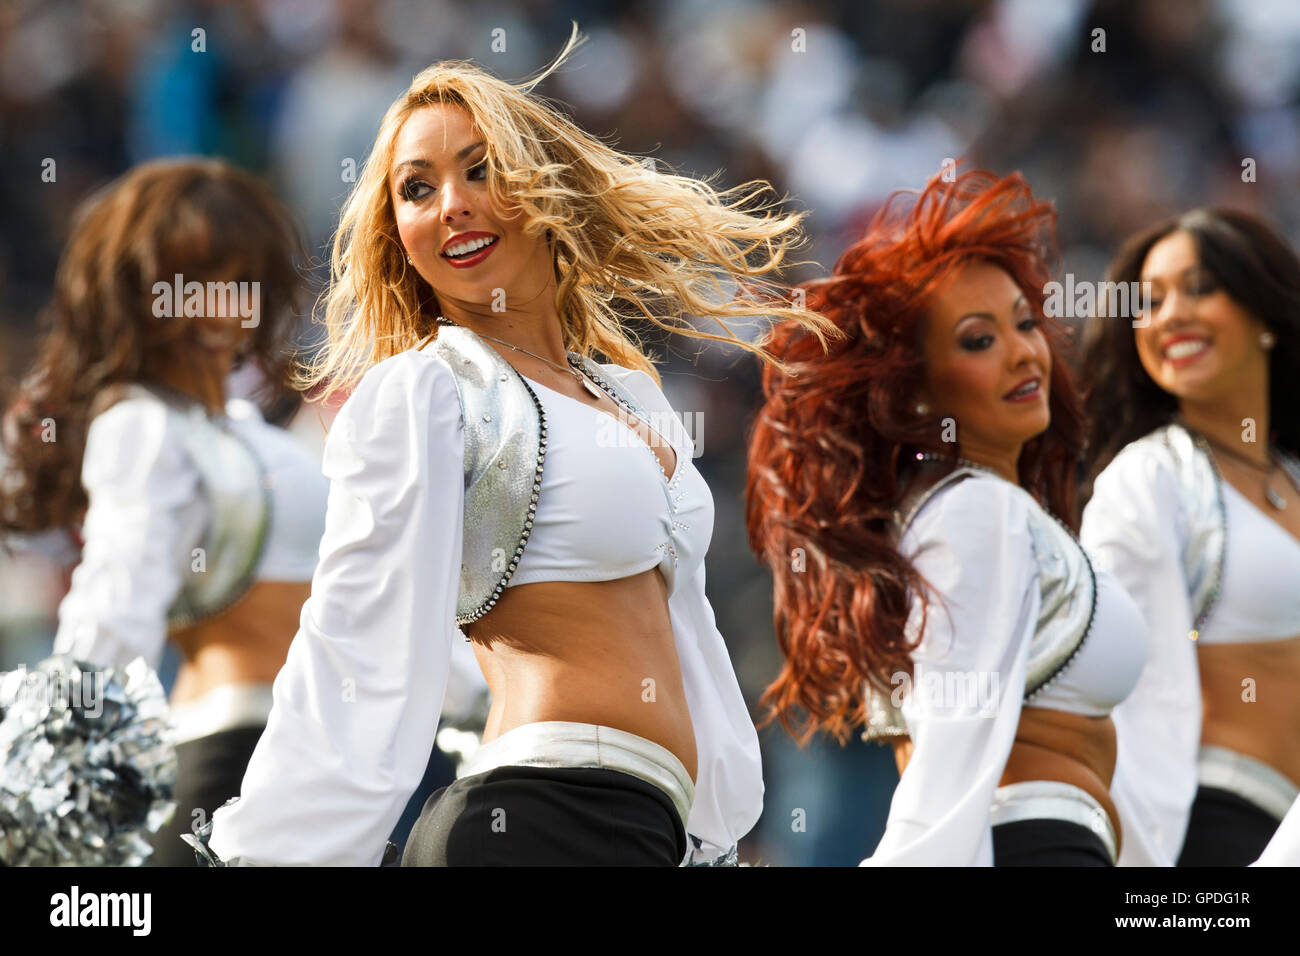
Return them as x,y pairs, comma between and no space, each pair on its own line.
965,462
582,380
1272,497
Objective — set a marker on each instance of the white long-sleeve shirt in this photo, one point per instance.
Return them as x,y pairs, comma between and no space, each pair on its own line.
357,703
1135,525
1131,525
147,513
972,542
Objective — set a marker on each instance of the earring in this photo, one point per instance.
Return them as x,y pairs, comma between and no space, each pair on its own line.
409,262
1267,340
922,408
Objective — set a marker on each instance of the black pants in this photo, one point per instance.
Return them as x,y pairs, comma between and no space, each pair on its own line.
1225,830
1047,843
209,771
548,816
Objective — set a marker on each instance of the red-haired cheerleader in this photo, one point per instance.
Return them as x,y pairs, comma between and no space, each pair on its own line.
913,491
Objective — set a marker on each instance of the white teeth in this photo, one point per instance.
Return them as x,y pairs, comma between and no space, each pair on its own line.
467,247
1025,389
1184,349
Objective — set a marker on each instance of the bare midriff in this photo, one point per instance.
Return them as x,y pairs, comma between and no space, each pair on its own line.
245,644
1057,746
592,652
1250,700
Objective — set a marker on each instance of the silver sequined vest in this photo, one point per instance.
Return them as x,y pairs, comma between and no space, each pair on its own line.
1068,592
1200,505
505,453
1201,508
234,484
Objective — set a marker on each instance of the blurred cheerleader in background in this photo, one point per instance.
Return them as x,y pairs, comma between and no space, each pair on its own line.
1195,451
195,518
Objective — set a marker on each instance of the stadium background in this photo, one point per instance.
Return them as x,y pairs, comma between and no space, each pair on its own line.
1165,117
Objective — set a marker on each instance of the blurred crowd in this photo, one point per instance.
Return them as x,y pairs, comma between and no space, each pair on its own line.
1120,111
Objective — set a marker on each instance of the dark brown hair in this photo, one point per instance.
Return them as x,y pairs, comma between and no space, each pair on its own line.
1257,268
191,217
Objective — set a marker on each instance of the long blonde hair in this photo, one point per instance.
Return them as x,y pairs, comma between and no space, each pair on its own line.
619,233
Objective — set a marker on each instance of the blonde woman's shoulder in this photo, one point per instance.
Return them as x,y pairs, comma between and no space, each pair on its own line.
413,382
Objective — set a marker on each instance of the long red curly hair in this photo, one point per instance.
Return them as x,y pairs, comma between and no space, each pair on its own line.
833,447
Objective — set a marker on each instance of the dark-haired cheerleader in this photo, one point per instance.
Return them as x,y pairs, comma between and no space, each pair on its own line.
1195,406
197,520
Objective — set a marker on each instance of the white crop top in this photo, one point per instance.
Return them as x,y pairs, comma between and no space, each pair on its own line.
1259,596
298,493
147,512
972,543
1106,669
607,509
1136,527
332,772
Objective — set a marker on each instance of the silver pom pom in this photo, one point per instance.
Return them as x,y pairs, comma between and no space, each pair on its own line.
87,764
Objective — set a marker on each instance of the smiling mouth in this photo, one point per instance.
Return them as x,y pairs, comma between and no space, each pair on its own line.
1185,349
464,250
1027,390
